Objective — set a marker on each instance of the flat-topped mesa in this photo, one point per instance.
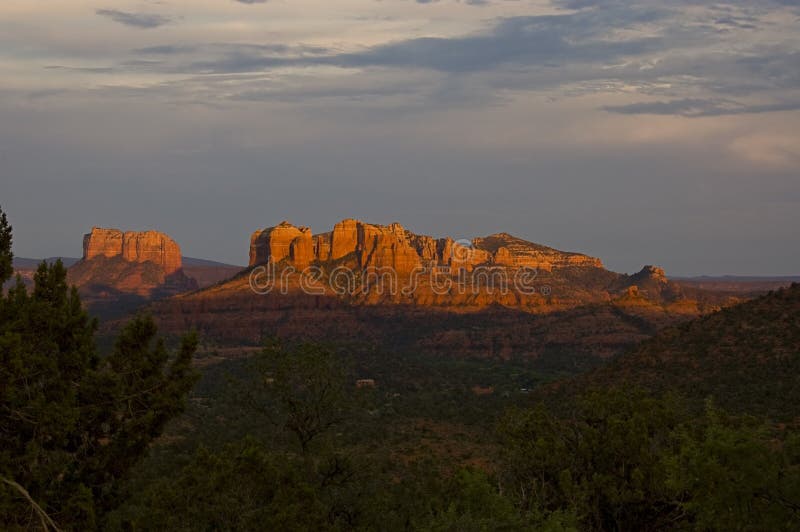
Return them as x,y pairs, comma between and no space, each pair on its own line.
132,246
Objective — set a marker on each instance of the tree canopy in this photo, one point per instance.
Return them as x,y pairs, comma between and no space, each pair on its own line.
73,423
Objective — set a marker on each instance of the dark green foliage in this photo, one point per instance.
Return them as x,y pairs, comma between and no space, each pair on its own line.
737,474
302,389
626,461
247,486
243,487
71,423
620,461
603,461
747,357
46,351
129,399
6,256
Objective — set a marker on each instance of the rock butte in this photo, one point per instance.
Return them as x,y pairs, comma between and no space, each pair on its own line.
380,246
145,264
147,246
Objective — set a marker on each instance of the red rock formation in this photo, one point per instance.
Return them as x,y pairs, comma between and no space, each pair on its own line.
102,242
344,239
431,265
301,250
322,246
381,246
427,247
510,250
386,247
148,246
273,243
503,256
133,266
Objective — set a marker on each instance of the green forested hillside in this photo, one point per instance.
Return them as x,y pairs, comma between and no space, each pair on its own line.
747,357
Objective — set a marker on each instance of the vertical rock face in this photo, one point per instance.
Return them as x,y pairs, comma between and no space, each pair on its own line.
128,267
301,250
102,243
274,242
137,247
344,239
427,247
386,247
322,246
392,246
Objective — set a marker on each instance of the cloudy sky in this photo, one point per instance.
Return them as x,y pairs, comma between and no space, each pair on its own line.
638,131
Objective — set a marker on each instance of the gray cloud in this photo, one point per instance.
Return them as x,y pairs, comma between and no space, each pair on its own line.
586,51
136,20
90,70
548,41
165,49
690,107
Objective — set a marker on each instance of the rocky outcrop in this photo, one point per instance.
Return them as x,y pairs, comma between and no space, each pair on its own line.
379,246
386,247
344,238
131,266
274,243
322,246
301,249
652,273
512,251
138,247
371,264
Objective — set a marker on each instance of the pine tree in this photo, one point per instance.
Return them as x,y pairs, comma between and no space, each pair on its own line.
6,257
72,424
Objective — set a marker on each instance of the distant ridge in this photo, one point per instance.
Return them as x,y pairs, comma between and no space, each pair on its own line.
738,284
192,261
25,263
742,278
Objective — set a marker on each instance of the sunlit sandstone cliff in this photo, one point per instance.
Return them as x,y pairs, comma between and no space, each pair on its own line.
116,264
379,246
575,304
139,247
460,276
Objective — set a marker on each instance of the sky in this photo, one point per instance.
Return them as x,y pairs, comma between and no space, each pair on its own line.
640,132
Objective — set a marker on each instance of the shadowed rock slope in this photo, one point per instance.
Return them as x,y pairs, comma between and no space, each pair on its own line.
125,268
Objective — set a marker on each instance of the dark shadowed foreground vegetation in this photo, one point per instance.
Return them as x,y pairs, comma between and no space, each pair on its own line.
285,440
73,424
746,356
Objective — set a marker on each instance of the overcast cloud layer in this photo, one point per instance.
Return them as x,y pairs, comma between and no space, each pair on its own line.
637,131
